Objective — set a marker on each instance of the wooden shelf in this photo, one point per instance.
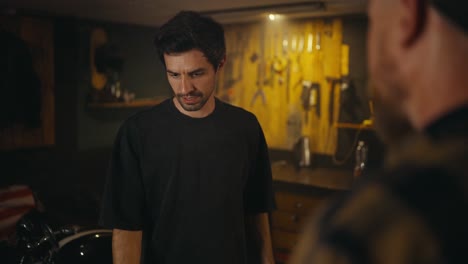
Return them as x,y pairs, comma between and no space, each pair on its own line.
133,104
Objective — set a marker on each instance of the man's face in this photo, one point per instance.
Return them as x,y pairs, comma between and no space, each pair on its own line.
192,78
388,91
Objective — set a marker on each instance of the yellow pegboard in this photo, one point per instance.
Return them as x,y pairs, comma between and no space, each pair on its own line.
313,51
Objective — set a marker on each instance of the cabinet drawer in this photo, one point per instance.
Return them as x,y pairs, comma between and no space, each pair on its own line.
296,203
284,240
288,221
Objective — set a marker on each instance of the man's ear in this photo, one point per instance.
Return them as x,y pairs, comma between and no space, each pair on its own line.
413,19
221,63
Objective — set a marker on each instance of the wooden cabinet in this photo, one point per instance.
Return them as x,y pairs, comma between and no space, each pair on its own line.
298,196
288,221
294,210
292,213
284,241
299,204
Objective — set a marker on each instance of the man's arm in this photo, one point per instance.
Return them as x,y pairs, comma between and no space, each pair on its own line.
126,246
259,228
263,225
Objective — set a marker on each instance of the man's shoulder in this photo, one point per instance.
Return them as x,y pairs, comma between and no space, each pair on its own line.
145,121
152,114
361,208
239,112
371,220
419,203
398,207
402,190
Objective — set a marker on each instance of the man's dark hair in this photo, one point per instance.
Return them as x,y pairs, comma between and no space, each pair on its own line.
189,30
454,10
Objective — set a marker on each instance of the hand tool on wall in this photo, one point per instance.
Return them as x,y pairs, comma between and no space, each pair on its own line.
295,68
333,82
228,67
318,41
285,45
303,81
310,42
231,74
260,73
310,99
310,56
310,96
235,58
350,103
266,48
258,93
297,47
332,40
233,67
277,65
294,85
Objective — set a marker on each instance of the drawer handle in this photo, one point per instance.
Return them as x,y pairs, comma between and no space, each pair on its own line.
298,205
295,218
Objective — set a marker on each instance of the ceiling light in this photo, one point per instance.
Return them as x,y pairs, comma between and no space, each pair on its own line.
258,13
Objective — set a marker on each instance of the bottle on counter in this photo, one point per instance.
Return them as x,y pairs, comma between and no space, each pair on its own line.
361,158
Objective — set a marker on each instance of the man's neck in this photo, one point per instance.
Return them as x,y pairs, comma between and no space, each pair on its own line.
437,78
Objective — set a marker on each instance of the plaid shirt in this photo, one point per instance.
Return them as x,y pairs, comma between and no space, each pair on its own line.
416,212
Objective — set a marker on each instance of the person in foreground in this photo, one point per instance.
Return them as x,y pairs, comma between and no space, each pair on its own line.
190,179
416,210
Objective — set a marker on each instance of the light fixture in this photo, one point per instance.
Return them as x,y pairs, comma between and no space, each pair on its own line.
258,13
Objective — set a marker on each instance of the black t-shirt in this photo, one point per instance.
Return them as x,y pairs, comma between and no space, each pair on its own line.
188,183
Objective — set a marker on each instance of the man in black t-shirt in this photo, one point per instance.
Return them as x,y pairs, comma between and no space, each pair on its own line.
190,179
416,210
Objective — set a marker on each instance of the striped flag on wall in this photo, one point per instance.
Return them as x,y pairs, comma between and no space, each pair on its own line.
15,201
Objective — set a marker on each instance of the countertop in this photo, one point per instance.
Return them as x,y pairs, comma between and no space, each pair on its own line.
327,178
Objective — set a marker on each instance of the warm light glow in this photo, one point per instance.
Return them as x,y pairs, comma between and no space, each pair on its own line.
294,43
310,42
97,235
272,17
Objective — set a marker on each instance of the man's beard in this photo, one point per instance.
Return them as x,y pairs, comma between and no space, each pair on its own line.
391,123
388,93
192,107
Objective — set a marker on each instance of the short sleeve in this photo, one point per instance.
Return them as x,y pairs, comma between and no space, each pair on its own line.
258,192
123,197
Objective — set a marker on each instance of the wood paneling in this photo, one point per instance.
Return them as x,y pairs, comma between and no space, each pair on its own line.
38,35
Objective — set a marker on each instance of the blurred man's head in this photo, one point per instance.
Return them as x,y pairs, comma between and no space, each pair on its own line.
405,39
